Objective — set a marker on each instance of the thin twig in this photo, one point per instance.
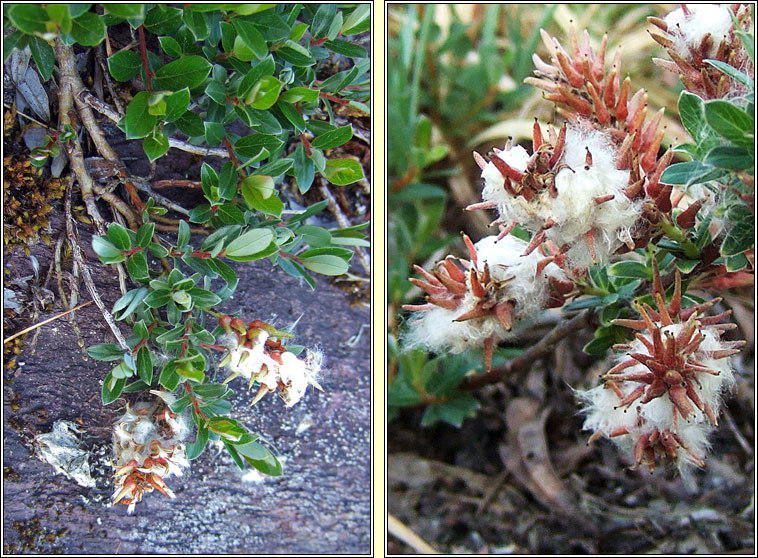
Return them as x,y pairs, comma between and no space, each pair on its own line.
70,77
108,81
76,249
398,529
162,200
9,107
524,362
47,321
75,157
112,115
737,434
344,223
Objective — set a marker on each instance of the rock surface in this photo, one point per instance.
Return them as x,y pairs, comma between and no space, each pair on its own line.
320,505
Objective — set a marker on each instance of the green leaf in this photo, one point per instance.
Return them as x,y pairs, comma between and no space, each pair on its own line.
77,10
227,181
692,114
230,214
322,20
125,11
124,65
136,265
740,237
730,157
60,15
138,121
155,145
599,345
140,329
264,185
304,169
265,67
119,237
169,379
43,55
183,235
134,302
28,18
191,124
106,352
145,365
333,138
163,20
195,449
88,29
170,46
732,72
252,37
189,71
208,176
343,171
264,93
190,371
343,253
630,269
315,236
210,391
685,266
145,234
452,412
226,428
250,146
326,264
296,54
214,133
690,172
346,48
737,263
112,388
275,168
356,20
252,242
176,105
156,299
197,23
260,458
203,298
731,122
200,214
216,91
270,205
298,94
108,252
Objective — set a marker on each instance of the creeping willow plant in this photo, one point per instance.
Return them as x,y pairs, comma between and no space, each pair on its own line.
608,212
268,87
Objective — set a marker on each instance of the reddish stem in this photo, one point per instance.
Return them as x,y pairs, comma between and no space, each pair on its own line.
142,342
306,144
290,256
334,98
195,403
143,53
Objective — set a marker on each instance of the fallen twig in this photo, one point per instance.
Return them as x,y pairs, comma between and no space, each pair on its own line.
523,362
76,249
101,107
47,321
398,529
344,222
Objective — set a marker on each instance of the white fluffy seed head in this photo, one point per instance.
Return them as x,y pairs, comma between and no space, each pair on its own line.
687,31
438,331
506,261
574,211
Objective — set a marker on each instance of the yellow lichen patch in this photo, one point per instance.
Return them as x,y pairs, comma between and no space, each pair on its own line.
27,201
